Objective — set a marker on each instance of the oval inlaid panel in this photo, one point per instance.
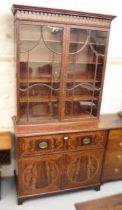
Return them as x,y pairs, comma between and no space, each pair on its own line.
40,174
82,168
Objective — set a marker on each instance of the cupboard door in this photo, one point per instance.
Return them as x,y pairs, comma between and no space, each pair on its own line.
84,73
40,57
39,174
83,168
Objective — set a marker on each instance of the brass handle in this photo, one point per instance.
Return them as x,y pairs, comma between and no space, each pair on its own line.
116,170
43,145
120,144
66,137
119,157
86,140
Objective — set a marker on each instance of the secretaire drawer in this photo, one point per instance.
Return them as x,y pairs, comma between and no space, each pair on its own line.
40,144
85,139
62,142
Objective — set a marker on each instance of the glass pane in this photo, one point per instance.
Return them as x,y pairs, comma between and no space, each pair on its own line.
40,68
78,39
52,37
84,72
98,41
22,101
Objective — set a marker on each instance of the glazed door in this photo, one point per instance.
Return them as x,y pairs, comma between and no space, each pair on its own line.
40,62
61,72
40,174
82,168
84,73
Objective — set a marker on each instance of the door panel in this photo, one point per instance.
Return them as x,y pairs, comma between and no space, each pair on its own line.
84,73
40,174
83,168
40,57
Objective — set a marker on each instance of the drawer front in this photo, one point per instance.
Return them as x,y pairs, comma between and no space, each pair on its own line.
114,158
115,141
114,145
62,142
40,144
112,170
85,140
115,134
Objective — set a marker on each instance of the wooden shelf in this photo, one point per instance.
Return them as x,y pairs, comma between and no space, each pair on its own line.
38,61
91,43
81,98
37,119
82,80
38,80
59,41
78,116
48,80
85,63
36,41
34,99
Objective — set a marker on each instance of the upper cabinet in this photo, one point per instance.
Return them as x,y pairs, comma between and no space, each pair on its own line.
61,58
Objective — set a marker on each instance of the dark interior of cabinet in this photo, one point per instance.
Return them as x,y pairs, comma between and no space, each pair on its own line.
5,157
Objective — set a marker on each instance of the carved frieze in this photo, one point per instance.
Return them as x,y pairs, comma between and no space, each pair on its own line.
62,18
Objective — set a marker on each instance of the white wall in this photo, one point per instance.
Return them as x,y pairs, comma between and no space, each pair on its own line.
112,94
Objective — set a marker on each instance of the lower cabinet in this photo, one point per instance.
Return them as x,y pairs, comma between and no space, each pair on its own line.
113,160
52,163
64,163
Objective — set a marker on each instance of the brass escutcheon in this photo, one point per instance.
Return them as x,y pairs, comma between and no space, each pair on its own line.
43,145
86,140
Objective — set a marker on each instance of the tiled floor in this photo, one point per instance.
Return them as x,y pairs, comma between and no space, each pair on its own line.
58,202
